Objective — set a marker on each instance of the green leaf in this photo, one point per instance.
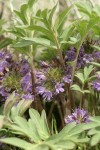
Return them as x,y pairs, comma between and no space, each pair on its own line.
21,17
84,7
11,100
95,64
16,142
52,13
95,140
31,3
41,41
44,125
67,32
80,76
5,42
43,30
87,72
33,132
76,88
25,106
61,18
22,43
96,47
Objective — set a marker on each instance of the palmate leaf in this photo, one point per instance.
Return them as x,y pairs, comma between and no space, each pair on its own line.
37,132
87,72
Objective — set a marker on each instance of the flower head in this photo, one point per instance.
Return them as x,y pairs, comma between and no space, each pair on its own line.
78,116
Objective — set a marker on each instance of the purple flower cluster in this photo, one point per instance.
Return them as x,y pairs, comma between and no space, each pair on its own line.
78,116
83,58
4,62
96,54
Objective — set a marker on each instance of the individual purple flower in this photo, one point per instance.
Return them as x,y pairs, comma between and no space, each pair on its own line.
26,83
46,94
96,85
78,116
40,76
59,88
88,58
40,90
67,79
27,96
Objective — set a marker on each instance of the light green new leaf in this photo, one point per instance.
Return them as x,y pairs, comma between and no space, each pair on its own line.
80,76
87,72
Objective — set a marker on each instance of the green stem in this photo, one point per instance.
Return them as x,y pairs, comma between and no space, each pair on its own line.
75,62
51,109
61,115
58,48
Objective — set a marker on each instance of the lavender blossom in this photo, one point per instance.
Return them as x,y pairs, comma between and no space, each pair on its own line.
71,54
26,83
96,85
46,94
67,79
59,88
88,58
78,116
